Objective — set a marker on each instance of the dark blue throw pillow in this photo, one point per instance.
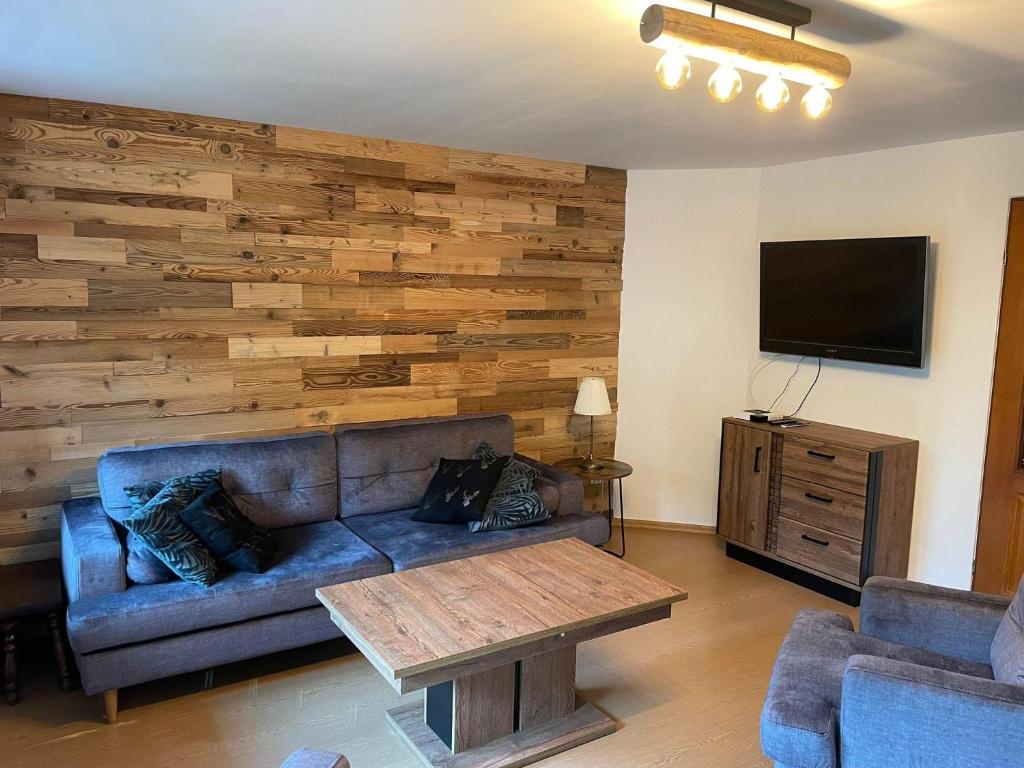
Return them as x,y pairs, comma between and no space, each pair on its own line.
460,489
230,536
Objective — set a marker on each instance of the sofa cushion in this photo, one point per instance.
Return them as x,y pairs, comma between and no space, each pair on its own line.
306,557
277,481
385,466
1008,644
798,722
409,544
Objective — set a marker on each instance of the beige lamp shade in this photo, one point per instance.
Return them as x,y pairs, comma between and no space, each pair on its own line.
592,399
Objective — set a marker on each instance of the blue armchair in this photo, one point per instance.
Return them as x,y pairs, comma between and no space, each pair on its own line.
915,687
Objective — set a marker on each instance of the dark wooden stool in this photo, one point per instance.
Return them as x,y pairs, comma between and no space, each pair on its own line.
27,591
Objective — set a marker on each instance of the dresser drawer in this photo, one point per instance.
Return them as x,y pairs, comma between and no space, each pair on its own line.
823,507
811,547
825,464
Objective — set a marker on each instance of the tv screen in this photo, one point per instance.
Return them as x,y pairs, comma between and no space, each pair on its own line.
858,300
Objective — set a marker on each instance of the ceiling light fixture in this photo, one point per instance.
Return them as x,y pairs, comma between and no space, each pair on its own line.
733,47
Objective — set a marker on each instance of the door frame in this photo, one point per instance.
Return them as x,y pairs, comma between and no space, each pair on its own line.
1014,200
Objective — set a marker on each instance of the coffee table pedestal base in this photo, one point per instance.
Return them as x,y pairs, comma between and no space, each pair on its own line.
522,747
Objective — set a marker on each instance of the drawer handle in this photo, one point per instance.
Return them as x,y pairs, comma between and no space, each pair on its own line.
816,497
813,540
822,456
757,460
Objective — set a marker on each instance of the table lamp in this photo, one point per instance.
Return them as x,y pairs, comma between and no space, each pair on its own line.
592,400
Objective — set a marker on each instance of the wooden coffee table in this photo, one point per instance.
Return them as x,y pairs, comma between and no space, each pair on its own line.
493,640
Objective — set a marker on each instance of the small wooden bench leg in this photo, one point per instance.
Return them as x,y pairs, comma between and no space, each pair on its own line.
60,652
10,646
110,703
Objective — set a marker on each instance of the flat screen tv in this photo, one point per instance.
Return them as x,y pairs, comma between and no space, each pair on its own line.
860,300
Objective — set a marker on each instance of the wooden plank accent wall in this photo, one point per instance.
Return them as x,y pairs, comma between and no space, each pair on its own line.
167,277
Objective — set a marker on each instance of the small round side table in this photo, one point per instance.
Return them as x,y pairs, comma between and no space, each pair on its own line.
609,471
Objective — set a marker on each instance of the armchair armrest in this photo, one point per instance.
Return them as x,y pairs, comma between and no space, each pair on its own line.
953,622
92,558
570,487
903,715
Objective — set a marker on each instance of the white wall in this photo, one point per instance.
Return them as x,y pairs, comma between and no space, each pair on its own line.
957,192
685,333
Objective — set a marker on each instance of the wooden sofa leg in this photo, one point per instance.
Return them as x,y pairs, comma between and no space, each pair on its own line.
110,703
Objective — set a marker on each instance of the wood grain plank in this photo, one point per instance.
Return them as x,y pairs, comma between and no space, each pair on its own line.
513,165
266,295
99,250
307,346
25,292
324,142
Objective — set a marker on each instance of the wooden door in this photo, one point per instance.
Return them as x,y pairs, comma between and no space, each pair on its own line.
999,557
744,485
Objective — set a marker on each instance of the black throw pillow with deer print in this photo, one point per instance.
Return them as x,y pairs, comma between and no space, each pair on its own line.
459,490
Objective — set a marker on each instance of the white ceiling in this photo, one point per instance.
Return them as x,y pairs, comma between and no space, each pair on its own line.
563,79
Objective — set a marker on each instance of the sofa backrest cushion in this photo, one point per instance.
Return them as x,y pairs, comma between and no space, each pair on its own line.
276,481
1008,644
386,466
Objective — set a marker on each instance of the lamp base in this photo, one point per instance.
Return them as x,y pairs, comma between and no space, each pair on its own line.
591,464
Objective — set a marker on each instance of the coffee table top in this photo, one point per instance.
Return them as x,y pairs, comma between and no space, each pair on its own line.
440,616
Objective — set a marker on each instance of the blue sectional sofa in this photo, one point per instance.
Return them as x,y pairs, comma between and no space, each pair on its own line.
338,506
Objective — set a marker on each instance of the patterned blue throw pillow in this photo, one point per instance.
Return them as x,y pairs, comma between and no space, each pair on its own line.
155,524
187,488
513,503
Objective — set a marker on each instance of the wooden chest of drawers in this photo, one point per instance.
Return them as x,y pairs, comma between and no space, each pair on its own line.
835,504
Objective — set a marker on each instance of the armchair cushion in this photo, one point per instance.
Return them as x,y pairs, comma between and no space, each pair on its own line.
92,558
898,713
1008,644
948,621
798,722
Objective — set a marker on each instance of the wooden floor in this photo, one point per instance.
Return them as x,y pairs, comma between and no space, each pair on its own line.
686,692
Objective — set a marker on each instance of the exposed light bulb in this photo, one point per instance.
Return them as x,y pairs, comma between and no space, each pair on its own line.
725,84
673,69
773,94
816,103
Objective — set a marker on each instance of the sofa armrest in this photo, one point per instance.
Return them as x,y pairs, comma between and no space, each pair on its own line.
949,621
570,487
92,557
312,758
903,715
